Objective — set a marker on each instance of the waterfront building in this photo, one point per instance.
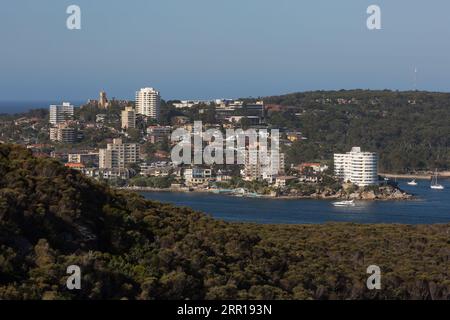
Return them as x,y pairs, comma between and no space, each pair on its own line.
61,113
108,173
282,181
118,154
128,118
256,168
360,168
197,175
148,102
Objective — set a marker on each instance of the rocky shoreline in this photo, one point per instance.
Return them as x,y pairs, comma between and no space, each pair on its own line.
384,193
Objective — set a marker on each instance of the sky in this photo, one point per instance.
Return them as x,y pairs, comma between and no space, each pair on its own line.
202,49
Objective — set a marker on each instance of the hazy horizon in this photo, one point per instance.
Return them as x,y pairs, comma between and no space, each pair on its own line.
205,50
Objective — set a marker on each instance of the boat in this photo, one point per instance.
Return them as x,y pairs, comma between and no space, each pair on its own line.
434,183
412,183
349,203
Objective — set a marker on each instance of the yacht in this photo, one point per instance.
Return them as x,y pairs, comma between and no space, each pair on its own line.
412,183
350,203
434,183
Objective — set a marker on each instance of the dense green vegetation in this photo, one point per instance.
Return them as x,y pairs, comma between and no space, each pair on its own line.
410,130
127,247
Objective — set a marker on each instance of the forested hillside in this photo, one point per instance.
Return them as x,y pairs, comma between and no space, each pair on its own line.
128,247
410,130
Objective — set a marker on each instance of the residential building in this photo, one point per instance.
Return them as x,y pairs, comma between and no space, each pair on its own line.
161,171
251,120
108,173
61,113
148,102
197,175
101,117
63,133
75,165
282,181
128,118
87,159
256,168
316,167
158,133
360,168
187,104
118,154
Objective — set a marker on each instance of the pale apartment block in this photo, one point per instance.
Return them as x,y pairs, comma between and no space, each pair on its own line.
128,118
148,102
360,168
118,154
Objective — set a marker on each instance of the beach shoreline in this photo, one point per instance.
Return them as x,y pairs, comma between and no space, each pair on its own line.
427,176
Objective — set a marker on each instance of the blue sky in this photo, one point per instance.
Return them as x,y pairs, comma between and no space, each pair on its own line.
216,48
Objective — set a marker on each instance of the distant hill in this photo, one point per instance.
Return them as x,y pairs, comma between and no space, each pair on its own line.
410,130
128,247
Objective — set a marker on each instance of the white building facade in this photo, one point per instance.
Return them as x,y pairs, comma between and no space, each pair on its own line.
257,167
360,168
61,113
148,103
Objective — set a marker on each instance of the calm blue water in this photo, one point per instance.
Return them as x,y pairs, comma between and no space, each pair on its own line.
431,207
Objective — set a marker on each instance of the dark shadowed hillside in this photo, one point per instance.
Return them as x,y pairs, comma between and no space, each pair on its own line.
127,247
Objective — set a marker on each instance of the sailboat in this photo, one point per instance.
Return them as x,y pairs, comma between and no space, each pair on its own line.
434,183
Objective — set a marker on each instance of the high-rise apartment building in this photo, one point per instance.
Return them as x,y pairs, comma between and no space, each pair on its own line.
257,167
148,103
128,118
63,133
61,113
360,168
118,154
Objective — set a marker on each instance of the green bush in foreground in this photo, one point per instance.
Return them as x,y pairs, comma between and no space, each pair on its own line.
128,247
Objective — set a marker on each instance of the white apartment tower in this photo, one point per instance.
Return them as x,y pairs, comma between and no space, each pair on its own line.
148,103
255,168
118,155
128,118
61,113
360,168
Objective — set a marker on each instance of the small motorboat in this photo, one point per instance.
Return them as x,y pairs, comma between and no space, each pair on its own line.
412,183
349,203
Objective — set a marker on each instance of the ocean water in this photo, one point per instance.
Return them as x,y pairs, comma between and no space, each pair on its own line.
12,107
428,207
